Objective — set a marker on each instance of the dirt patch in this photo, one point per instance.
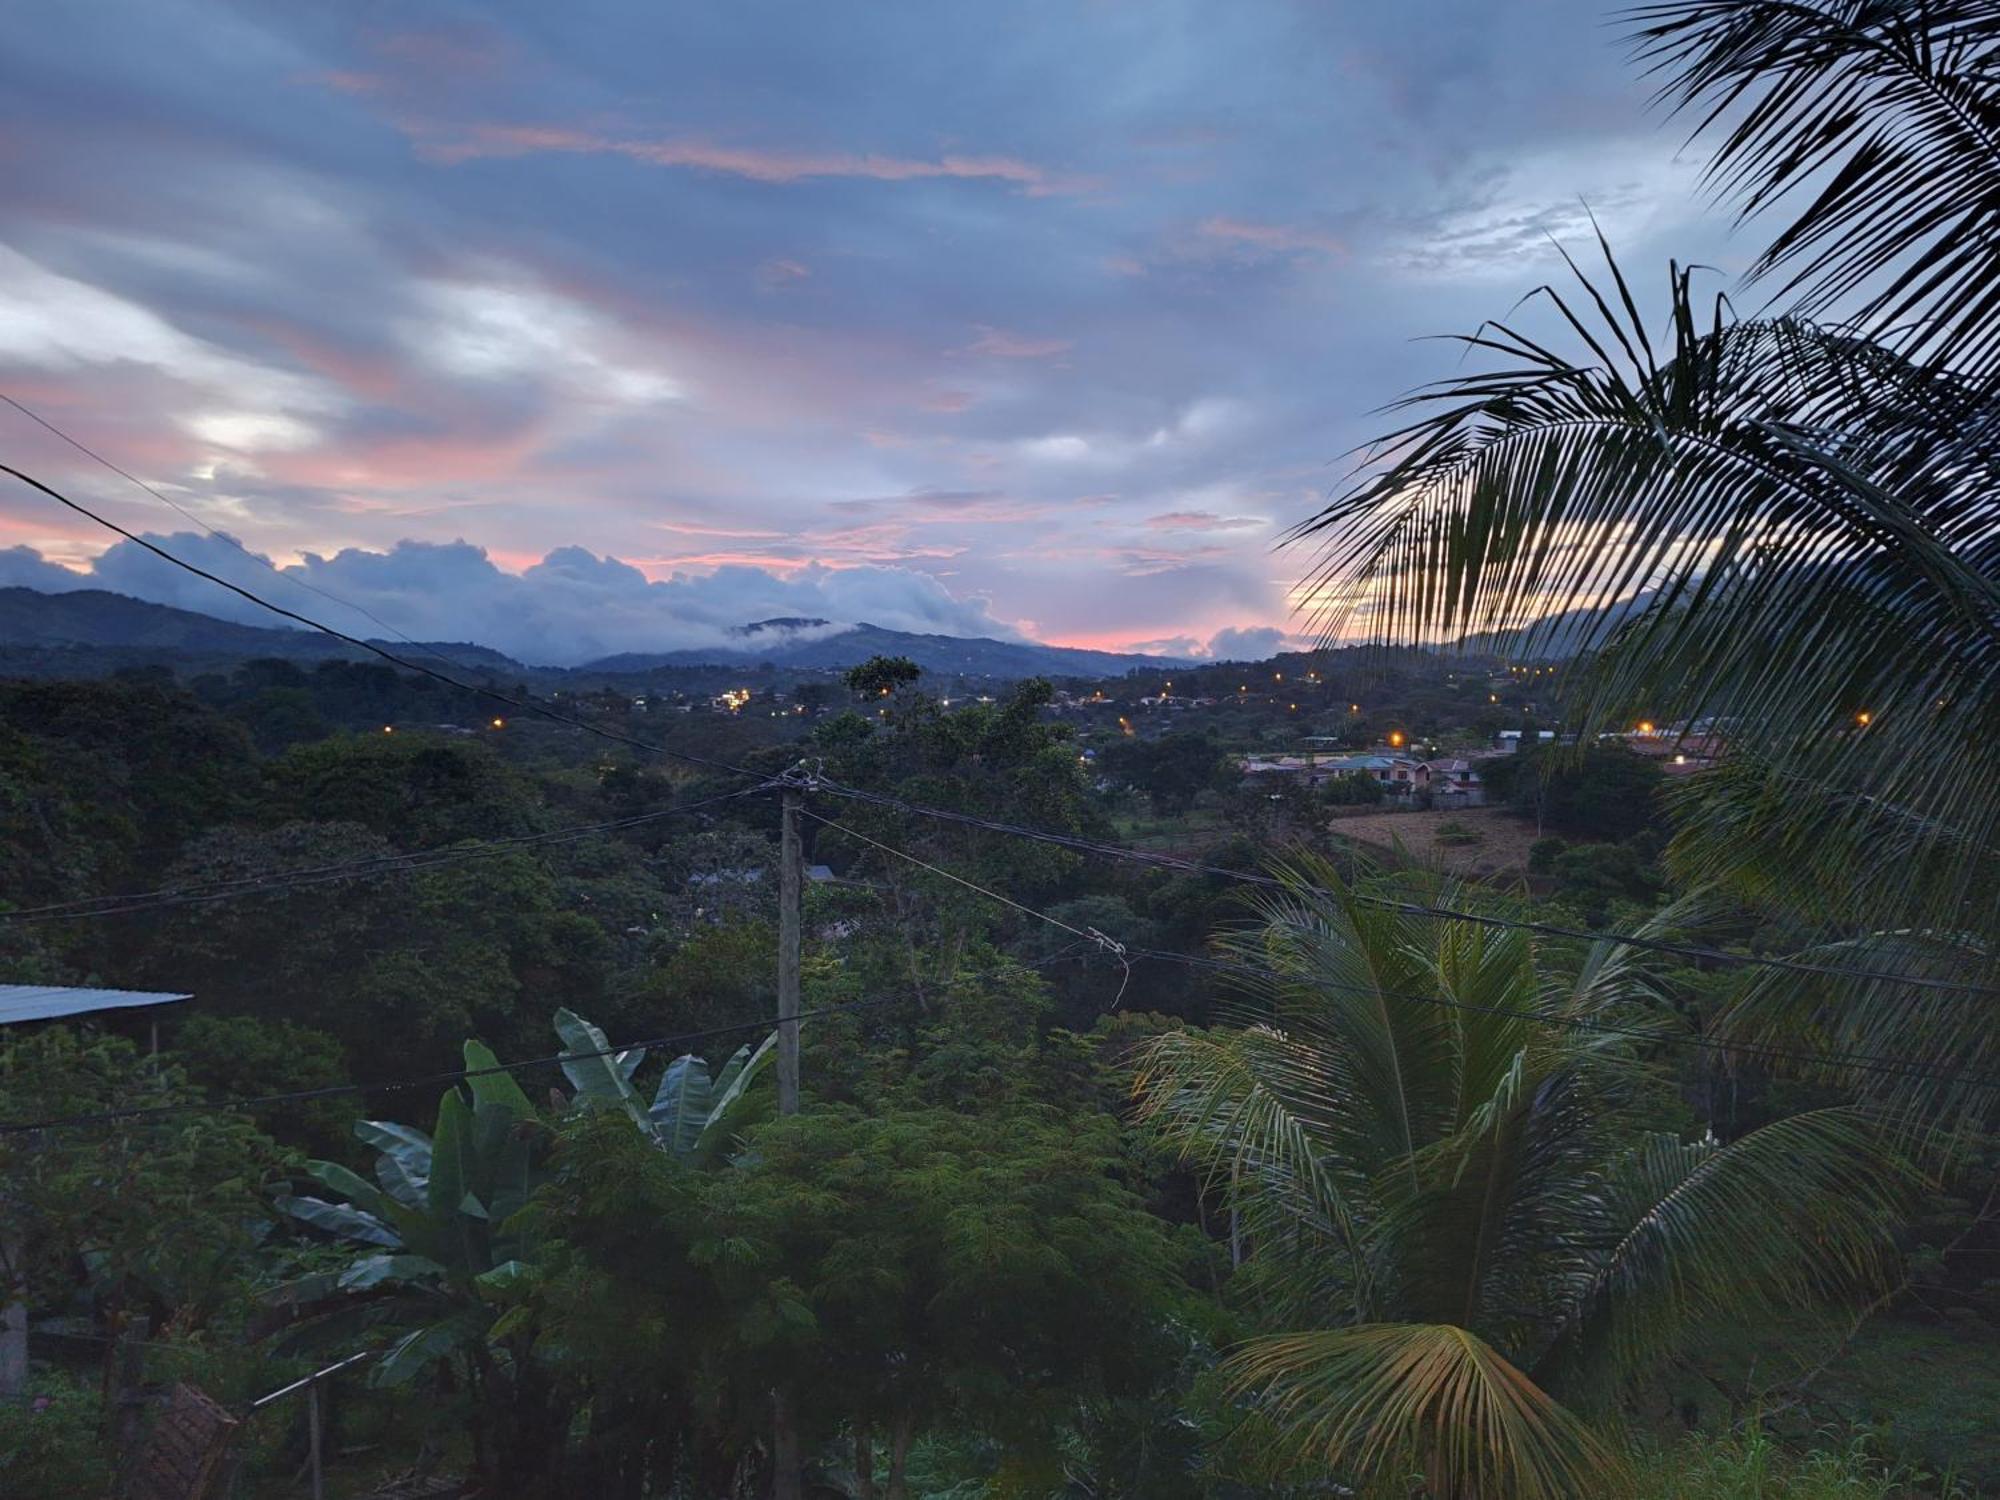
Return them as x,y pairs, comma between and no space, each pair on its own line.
1500,845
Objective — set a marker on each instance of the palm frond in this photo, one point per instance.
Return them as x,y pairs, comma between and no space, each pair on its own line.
1801,1209
1944,1044
1252,1108
1432,1397
1777,529
1873,128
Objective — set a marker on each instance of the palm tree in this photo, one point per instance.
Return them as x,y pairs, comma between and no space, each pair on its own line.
1787,524
1436,1137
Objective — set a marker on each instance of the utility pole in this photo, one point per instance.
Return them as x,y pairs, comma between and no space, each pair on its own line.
789,897
784,1420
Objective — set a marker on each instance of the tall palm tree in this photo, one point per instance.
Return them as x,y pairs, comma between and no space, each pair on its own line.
1436,1137
1787,524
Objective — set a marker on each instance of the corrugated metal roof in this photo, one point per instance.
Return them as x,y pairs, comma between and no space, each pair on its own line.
48,1002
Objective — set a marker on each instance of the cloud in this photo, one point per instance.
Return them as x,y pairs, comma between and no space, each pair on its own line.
1270,239
1004,345
1517,212
776,165
1202,520
1247,643
502,330
570,607
782,271
26,568
60,324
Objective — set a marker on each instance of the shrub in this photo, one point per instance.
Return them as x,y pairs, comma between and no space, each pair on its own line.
49,1443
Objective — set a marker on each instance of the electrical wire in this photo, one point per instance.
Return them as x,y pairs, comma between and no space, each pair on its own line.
399,1085
1089,935
1862,1061
387,864
222,536
1696,951
1125,954
525,705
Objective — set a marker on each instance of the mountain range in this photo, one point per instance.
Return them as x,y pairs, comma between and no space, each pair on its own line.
90,631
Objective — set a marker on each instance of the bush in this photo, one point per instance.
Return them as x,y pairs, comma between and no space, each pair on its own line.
1542,855
1748,1464
1451,831
49,1443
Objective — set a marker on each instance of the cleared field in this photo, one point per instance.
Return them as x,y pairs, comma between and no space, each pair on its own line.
1500,847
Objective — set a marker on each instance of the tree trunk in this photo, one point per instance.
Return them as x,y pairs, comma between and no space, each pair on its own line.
864,1464
901,1431
784,1447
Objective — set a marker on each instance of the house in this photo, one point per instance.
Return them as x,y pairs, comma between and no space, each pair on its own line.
1507,741
1397,773
1455,782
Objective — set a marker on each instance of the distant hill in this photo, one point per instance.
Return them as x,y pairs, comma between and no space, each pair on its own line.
971,655
93,629
90,631
1556,635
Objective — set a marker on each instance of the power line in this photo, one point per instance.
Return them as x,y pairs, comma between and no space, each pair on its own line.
387,864
399,1085
525,705
1863,1061
1867,1062
1089,935
1696,951
220,535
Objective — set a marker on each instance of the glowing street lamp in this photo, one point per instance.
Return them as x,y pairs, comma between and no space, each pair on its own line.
1396,739
1864,718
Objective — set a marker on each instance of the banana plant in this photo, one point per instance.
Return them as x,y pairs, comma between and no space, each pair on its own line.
436,1232
693,1115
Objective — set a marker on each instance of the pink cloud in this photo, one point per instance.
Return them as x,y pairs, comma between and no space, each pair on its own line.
780,271
1124,265
758,163
1278,239
947,400
1142,562
1201,520
348,82
1005,345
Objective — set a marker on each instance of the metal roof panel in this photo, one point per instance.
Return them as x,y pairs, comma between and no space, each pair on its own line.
49,1002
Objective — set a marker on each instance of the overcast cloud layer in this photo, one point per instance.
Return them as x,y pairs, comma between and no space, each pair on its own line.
606,326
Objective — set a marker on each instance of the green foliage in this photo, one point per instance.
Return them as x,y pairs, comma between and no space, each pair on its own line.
1351,789
156,1214
244,1057
1171,770
1746,1464
881,676
49,1441
1598,793
1469,1171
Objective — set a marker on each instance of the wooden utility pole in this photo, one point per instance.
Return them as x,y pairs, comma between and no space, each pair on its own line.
789,897
784,1420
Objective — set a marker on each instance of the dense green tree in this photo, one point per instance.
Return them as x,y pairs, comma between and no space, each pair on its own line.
154,1215
987,1271
1171,770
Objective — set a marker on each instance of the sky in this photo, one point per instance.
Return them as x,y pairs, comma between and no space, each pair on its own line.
609,325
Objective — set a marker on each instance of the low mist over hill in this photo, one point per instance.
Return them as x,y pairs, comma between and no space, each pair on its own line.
93,631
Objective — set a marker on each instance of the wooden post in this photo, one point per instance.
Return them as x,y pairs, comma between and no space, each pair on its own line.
128,1393
784,1421
313,1442
13,1324
789,897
